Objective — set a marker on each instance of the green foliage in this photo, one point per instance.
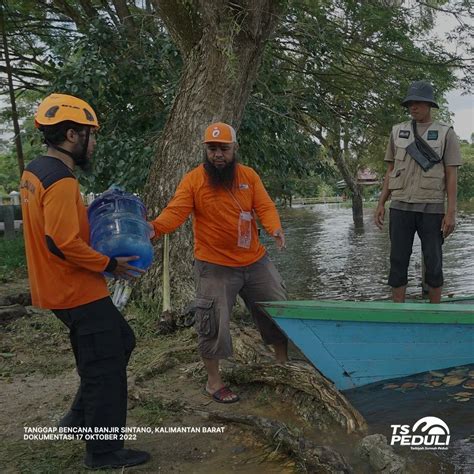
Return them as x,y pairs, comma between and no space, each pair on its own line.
9,172
333,72
128,79
340,70
273,142
466,173
132,96
9,169
13,260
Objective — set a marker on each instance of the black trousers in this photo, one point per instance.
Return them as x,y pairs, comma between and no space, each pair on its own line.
102,342
403,225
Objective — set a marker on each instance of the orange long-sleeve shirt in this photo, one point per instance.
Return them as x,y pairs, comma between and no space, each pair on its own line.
216,216
63,270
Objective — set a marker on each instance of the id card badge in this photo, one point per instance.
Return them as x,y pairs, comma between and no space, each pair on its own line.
245,230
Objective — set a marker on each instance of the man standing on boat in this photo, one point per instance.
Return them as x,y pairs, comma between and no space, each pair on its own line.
422,160
225,197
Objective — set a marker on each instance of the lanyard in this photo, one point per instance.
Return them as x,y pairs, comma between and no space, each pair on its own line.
235,199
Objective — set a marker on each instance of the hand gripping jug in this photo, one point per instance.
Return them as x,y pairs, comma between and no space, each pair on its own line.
118,227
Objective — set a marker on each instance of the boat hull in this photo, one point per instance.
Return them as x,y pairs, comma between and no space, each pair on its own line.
355,344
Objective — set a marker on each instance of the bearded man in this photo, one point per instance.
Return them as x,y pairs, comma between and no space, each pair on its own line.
225,197
65,276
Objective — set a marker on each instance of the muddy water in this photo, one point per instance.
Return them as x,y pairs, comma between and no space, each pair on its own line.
328,258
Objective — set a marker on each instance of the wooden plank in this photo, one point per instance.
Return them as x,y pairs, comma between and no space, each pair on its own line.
376,312
401,350
393,368
311,346
347,332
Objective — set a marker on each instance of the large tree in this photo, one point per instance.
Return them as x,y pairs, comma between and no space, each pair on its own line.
333,74
350,63
221,43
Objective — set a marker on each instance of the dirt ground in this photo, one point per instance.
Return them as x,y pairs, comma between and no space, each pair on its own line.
35,400
38,381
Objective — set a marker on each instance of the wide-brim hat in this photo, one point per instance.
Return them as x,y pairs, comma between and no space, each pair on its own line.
420,91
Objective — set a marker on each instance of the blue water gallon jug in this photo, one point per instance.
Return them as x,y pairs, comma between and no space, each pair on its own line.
118,227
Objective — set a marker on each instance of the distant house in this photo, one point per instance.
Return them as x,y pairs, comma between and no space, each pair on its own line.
365,177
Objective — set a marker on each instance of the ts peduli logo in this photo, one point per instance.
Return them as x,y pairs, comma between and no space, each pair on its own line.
428,433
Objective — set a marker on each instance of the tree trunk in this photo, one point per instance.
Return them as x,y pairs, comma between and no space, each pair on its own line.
357,208
222,43
340,158
16,125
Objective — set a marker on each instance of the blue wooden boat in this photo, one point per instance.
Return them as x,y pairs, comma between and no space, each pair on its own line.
358,343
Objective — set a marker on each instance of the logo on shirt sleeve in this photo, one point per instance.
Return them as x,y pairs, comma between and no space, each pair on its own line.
243,186
404,133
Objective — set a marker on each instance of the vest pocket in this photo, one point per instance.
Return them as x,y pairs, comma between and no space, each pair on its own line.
397,177
433,178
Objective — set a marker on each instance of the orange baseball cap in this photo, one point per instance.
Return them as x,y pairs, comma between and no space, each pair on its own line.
220,132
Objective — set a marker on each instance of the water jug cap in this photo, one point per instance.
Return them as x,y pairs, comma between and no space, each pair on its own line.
115,187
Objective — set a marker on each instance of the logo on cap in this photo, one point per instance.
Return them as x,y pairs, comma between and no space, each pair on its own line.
216,132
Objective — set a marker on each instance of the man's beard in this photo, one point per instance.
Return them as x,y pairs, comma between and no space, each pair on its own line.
221,177
81,160
85,165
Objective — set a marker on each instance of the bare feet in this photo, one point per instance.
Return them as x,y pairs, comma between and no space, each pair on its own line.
435,295
398,294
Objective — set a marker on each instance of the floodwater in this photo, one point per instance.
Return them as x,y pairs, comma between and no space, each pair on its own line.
328,258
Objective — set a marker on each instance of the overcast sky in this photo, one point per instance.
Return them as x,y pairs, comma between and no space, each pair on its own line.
463,109
462,106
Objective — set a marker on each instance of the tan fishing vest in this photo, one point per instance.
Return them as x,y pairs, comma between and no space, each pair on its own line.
408,182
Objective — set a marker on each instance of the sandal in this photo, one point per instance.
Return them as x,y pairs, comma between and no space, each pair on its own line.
221,395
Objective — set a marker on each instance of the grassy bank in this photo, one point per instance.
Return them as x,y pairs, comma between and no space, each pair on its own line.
12,258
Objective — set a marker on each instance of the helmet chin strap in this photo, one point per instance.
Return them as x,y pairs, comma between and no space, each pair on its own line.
79,159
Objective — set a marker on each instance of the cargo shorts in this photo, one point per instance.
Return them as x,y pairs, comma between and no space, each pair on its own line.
217,290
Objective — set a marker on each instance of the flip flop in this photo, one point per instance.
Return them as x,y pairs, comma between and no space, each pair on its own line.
220,395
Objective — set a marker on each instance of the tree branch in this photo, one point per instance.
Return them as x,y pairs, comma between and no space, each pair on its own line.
126,18
182,20
21,72
89,10
67,10
111,13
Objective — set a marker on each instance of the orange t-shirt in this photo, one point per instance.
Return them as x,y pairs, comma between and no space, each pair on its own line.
63,270
216,216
